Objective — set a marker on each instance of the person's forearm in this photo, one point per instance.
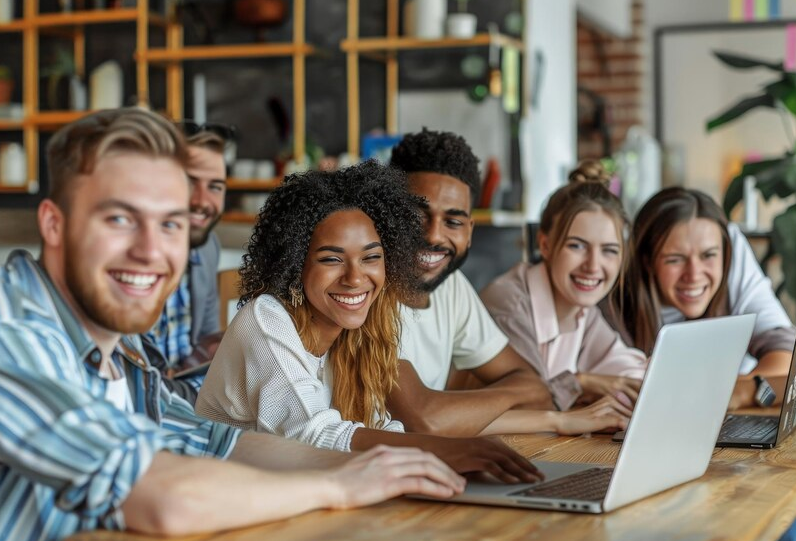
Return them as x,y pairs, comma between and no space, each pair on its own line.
276,453
523,422
529,390
181,495
773,363
453,413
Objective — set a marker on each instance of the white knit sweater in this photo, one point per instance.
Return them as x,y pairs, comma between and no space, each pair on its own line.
263,379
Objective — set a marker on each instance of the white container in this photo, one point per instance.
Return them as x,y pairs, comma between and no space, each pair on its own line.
12,165
425,18
6,11
461,25
750,203
106,86
265,170
244,169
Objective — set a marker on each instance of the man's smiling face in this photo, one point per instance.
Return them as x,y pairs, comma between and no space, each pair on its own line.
448,225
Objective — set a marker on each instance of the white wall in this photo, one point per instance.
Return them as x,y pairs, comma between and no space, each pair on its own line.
615,16
549,136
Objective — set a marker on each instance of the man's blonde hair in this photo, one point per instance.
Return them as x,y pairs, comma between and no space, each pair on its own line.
77,147
209,140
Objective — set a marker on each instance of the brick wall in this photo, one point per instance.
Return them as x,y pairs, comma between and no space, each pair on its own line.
609,69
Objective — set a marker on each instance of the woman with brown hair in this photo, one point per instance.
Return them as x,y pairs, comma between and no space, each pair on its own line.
313,352
549,310
688,263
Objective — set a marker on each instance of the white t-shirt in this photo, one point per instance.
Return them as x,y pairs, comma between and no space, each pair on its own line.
749,292
118,393
455,328
263,379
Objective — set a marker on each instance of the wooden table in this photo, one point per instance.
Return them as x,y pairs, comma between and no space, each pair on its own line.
745,495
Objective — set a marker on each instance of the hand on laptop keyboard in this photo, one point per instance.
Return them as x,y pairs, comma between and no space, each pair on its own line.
607,414
596,386
488,455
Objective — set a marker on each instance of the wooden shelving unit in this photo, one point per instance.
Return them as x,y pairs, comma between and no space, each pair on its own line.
71,25
176,53
389,46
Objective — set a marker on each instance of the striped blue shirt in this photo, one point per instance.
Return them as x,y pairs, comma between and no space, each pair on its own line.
172,331
69,458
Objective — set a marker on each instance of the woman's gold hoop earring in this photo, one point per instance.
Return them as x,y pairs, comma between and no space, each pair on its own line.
296,295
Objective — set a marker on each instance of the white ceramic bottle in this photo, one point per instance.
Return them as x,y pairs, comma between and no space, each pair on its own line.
12,165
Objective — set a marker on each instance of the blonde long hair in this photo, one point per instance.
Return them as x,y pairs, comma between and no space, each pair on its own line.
361,388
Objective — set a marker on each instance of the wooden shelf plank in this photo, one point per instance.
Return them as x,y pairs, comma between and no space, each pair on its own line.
96,16
212,52
253,185
17,25
10,125
54,119
498,218
238,217
13,189
409,43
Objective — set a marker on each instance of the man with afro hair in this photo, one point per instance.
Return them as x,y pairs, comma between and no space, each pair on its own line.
447,329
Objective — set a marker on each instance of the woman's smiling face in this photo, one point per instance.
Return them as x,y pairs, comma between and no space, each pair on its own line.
689,266
343,273
584,270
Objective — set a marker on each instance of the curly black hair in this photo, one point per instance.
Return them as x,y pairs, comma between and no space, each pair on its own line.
439,152
279,243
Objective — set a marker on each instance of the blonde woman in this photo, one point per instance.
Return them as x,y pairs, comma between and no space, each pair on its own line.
549,310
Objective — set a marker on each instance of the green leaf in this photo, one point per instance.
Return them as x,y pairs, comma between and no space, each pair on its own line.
783,240
778,180
746,104
734,192
744,62
784,90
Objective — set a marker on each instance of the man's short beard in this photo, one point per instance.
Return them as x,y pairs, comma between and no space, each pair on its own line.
453,266
200,238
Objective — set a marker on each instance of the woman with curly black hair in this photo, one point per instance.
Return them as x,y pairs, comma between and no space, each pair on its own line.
313,352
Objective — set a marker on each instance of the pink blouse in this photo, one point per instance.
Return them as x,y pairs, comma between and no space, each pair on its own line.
521,302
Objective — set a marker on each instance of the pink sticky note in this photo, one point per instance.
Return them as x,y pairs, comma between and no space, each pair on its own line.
790,48
749,10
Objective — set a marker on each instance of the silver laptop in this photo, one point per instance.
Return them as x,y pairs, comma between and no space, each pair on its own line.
671,434
762,431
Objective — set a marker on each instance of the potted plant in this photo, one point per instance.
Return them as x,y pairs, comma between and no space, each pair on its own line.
58,73
6,85
776,175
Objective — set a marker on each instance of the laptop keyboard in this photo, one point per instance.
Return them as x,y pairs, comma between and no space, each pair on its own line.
748,427
590,485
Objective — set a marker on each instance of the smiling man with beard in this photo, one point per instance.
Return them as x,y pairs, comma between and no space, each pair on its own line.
447,326
188,331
